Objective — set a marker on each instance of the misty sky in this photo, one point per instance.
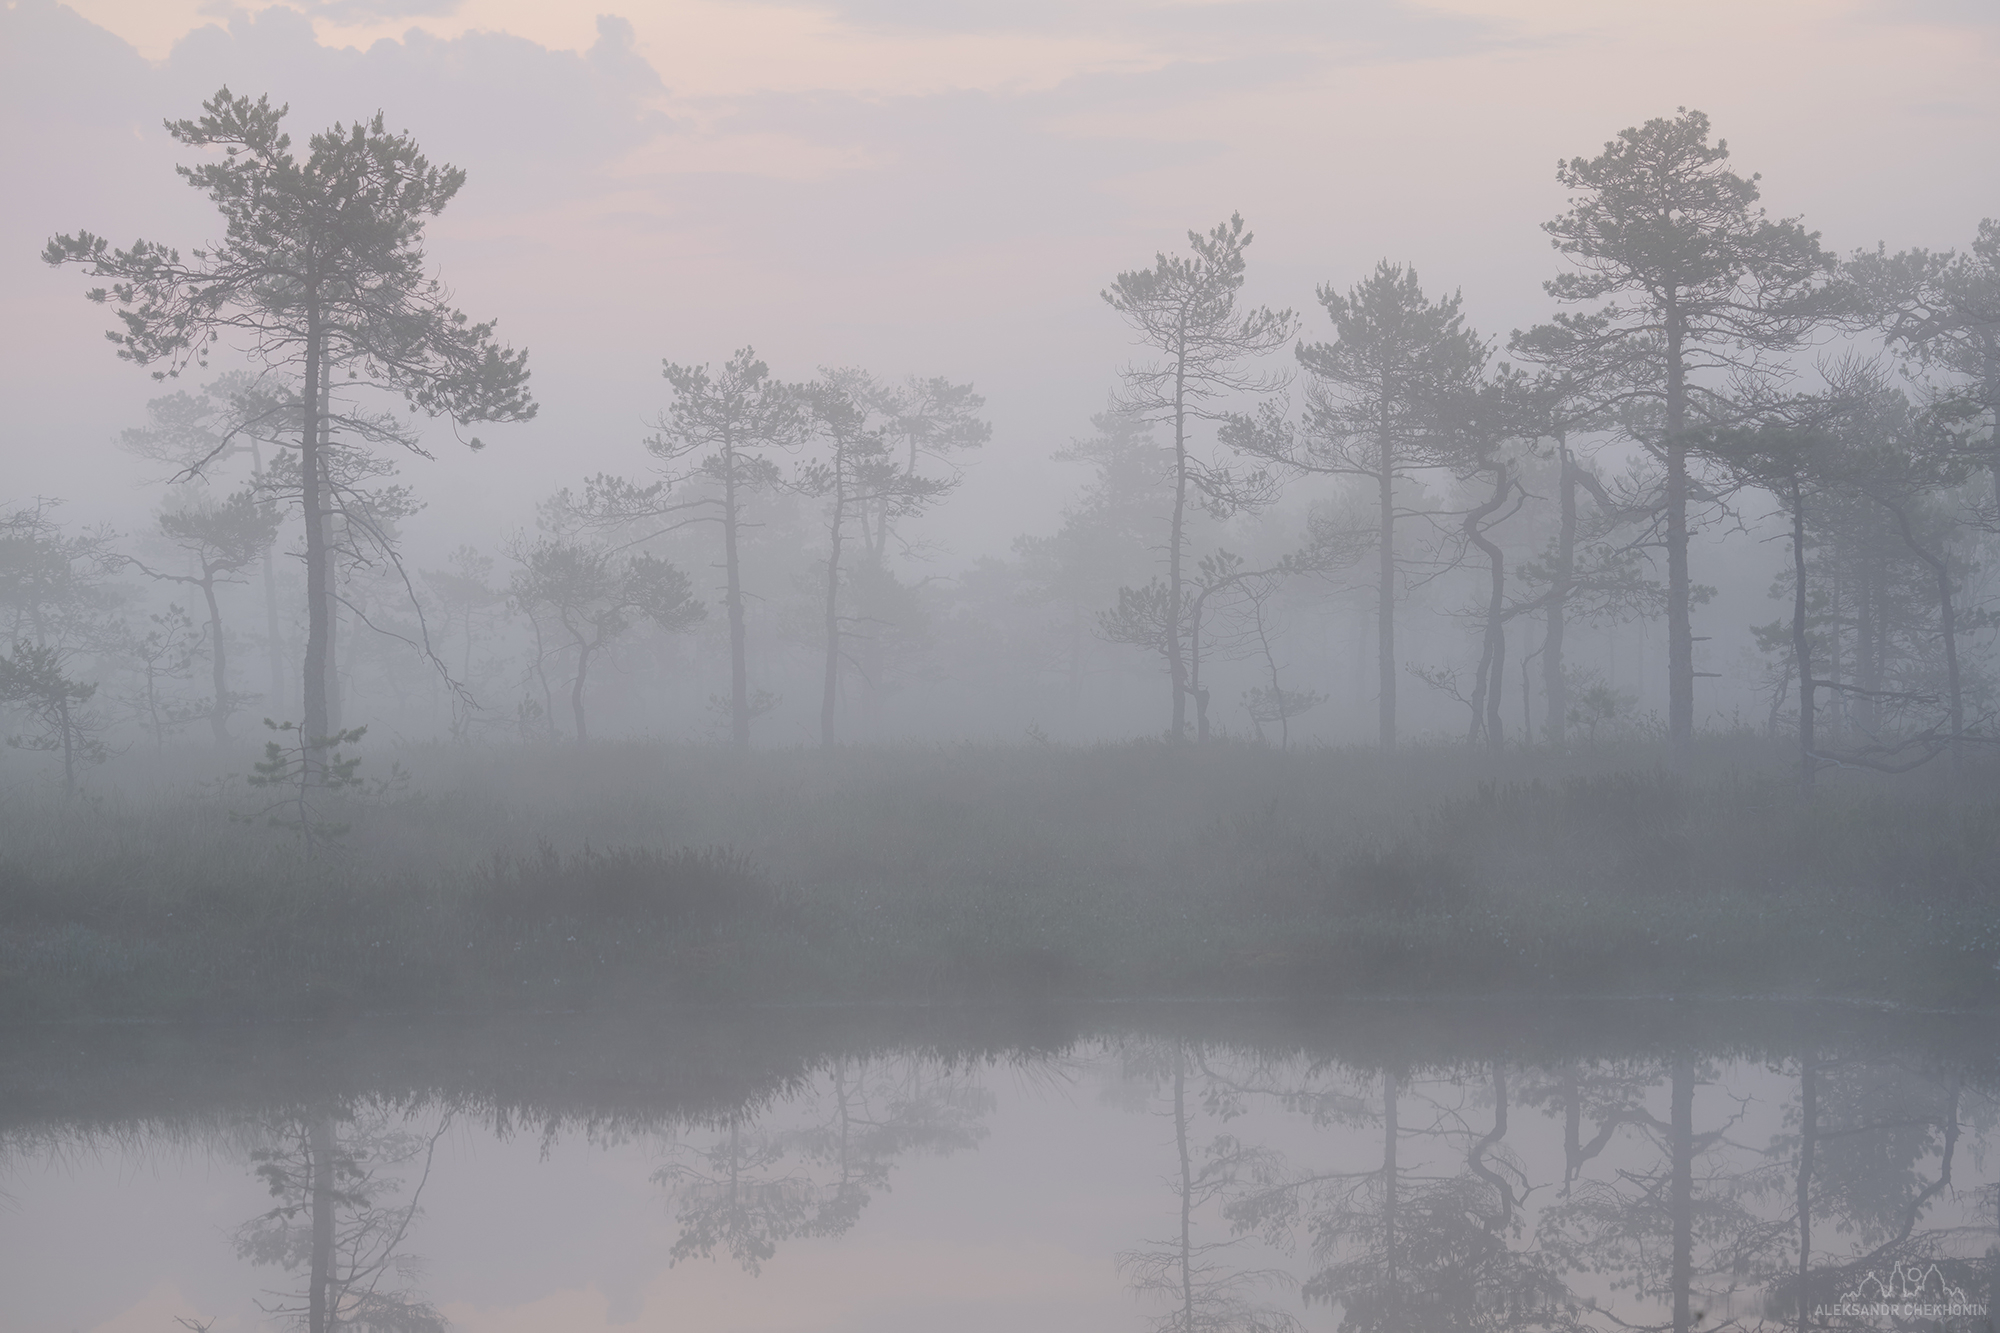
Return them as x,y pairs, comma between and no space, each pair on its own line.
924,186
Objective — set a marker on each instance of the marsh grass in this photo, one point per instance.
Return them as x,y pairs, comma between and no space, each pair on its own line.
631,874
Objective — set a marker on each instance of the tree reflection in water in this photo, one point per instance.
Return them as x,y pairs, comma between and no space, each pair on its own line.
1192,1282
341,1218
809,1164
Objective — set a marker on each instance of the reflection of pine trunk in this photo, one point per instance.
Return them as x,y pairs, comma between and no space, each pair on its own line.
1187,1189
1808,1140
1390,1131
1572,1132
319,1314
1476,1159
1680,1193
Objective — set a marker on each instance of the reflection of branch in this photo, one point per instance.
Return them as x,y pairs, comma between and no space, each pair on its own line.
1923,1197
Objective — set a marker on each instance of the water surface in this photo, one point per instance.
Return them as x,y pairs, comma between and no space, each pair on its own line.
1187,1168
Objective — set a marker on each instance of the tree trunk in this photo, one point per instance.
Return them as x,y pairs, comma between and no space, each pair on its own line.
336,713
1948,624
583,651
1488,693
218,715
318,587
1801,643
272,640
1176,664
1195,689
739,669
1954,687
1385,603
1680,624
68,738
830,695
1555,689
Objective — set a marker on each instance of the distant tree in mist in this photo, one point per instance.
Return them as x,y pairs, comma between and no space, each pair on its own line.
723,432
1690,288
1800,462
1187,311
927,423
1108,538
1381,400
321,269
467,601
194,433
161,652
593,596
1487,449
857,474
39,679
1941,309
218,539
1590,568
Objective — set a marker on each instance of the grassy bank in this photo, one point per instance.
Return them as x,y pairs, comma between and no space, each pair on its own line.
628,874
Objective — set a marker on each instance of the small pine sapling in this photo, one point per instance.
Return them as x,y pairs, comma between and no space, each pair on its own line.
296,776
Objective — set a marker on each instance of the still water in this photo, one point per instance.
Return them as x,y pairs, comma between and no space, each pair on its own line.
1389,1168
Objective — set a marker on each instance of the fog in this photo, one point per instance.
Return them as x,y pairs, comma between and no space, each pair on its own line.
1135,619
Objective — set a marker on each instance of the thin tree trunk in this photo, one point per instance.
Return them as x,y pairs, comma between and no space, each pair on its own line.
1075,665
218,715
1385,604
1176,664
1801,643
1947,623
318,587
830,695
272,640
739,669
583,651
1493,648
336,680
1194,669
1555,689
68,738
1680,624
